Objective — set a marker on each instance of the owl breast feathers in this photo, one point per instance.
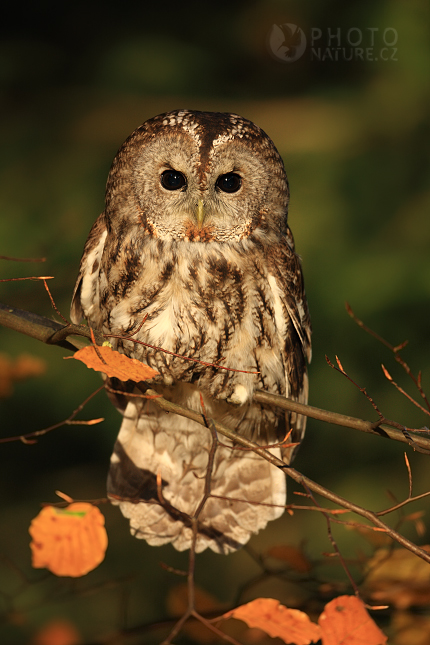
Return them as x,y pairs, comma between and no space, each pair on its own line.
194,241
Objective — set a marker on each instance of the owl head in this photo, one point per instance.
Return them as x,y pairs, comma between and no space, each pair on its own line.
198,177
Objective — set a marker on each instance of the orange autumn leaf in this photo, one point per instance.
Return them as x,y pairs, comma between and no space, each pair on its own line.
398,578
115,364
345,621
57,632
68,541
291,625
17,369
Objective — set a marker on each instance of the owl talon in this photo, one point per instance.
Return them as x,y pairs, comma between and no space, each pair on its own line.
239,396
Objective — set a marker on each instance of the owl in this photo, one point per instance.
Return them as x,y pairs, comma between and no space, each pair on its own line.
193,258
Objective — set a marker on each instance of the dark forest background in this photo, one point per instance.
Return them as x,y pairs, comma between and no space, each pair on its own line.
76,79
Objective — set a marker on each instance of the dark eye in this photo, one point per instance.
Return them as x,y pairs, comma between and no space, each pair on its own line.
229,183
173,180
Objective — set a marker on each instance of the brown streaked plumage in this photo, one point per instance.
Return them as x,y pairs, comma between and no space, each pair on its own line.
194,237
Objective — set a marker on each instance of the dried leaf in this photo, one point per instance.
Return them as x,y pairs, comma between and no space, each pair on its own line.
106,360
292,556
410,628
18,369
399,578
57,632
345,621
68,541
291,625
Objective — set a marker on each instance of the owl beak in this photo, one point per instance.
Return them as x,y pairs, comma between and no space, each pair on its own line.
200,213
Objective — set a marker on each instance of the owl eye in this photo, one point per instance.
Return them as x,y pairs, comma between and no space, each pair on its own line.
229,183
173,180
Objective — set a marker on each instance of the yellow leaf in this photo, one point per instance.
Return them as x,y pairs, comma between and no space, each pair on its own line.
106,360
18,369
345,621
291,625
57,632
68,541
399,578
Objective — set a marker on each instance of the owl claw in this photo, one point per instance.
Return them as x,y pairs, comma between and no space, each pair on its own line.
239,396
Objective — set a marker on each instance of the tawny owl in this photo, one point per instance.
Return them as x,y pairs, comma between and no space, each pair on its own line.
194,240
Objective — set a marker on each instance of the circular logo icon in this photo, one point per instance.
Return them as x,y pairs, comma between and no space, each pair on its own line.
287,42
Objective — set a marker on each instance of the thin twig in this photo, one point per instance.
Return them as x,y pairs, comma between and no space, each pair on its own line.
31,277
340,369
409,500
402,391
7,257
185,358
408,466
54,306
30,437
334,544
382,419
395,349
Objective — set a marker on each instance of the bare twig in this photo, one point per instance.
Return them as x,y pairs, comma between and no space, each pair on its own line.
334,544
382,419
54,306
408,500
185,358
363,390
7,257
31,277
402,391
408,466
30,437
395,349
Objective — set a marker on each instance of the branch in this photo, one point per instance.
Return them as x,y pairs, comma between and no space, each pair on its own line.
395,349
54,333
31,437
43,329
421,444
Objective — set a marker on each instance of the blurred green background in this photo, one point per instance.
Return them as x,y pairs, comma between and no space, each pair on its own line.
76,79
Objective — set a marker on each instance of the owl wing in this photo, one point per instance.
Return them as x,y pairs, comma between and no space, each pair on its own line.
86,294
293,323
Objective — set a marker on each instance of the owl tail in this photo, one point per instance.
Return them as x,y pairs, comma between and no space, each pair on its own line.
158,473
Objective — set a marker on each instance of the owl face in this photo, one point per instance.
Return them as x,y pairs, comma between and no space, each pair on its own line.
198,177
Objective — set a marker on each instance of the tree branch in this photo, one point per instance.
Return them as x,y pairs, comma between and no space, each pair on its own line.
43,329
420,443
54,333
